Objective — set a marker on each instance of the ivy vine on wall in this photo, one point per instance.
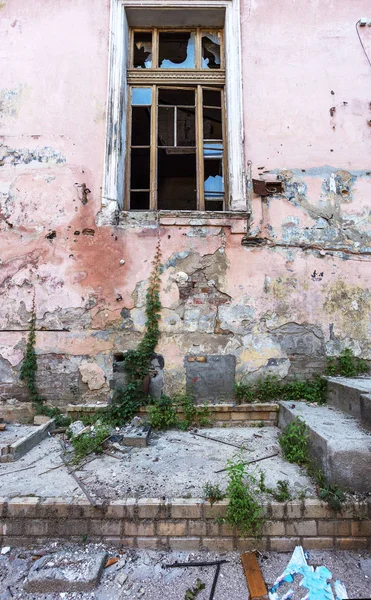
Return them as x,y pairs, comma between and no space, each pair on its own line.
127,400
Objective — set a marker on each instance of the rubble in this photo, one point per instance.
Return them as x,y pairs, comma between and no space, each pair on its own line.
67,571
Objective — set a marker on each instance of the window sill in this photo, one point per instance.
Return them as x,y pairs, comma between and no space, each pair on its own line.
236,220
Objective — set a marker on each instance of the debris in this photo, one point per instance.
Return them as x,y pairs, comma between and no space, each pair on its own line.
76,428
66,572
254,577
59,430
2,426
111,561
315,580
79,483
250,462
212,563
121,578
192,593
5,549
136,436
216,440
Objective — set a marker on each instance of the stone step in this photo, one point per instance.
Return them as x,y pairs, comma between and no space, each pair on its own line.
351,395
337,443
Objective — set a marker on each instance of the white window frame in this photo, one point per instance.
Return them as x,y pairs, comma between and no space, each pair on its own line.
114,168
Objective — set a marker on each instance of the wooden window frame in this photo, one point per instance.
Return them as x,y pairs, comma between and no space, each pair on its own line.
145,14
149,78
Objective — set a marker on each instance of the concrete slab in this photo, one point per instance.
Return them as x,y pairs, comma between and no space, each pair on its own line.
365,403
66,572
337,443
345,393
17,440
211,377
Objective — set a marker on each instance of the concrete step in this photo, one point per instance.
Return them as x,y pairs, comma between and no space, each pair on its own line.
337,443
352,395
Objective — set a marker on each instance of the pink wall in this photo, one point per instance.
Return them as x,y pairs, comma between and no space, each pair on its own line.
277,308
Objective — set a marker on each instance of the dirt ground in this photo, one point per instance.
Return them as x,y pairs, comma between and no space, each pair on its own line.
176,464
142,575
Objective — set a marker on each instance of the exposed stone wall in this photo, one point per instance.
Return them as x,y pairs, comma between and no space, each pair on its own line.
183,524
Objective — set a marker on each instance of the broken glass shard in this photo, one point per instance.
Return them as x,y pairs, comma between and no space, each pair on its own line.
213,149
214,184
210,50
177,50
141,96
142,55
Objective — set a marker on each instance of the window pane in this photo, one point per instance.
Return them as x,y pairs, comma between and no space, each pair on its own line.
214,205
177,179
212,98
142,58
141,126
210,50
141,96
139,175
139,200
166,126
176,97
177,50
186,127
214,184
212,124
213,149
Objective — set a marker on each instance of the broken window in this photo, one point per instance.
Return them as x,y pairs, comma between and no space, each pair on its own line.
177,146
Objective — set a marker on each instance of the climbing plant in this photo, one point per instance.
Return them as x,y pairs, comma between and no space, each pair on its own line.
127,400
29,363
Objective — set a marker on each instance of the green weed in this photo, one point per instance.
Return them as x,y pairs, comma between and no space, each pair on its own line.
89,442
294,442
212,492
346,365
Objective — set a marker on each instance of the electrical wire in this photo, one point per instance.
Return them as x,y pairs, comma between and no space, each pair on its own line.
360,41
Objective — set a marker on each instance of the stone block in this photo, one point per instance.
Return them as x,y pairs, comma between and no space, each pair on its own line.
317,543
151,508
277,510
351,543
184,543
294,509
337,444
182,508
284,544
361,528
307,528
23,506
213,379
50,508
276,528
103,528
66,572
216,510
218,544
250,544
365,407
116,509
141,528
150,543
314,509
178,528
71,527
334,528
197,528
39,527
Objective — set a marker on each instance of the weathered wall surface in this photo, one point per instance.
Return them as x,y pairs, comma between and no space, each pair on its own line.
279,306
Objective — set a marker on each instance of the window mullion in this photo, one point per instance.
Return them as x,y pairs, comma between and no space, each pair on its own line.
153,154
155,49
198,49
200,150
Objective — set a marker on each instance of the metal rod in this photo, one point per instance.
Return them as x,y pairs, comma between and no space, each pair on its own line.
216,440
212,563
212,591
252,461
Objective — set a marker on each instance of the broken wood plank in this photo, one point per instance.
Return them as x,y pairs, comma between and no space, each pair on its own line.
2,426
254,577
18,471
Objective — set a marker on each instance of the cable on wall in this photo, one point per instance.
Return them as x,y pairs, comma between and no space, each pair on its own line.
360,41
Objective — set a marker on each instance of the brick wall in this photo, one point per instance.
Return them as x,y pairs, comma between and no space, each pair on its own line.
183,524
